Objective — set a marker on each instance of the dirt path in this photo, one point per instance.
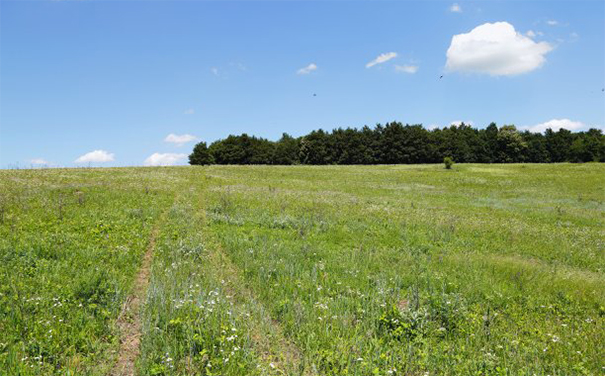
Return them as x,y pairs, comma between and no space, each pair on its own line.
129,320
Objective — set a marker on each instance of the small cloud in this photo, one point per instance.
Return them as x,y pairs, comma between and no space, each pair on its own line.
432,126
533,34
164,159
496,49
555,125
574,36
455,8
411,69
214,71
39,161
382,58
179,140
99,156
552,22
308,69
190,111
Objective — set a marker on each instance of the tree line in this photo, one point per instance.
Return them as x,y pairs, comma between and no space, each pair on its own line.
395,143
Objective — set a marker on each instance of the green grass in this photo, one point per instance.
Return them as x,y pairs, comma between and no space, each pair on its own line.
348,270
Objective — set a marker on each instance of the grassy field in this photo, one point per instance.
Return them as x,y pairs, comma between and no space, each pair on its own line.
258,270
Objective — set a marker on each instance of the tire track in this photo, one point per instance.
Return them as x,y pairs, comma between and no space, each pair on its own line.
129,320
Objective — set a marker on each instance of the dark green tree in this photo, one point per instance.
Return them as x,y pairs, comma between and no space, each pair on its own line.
286,150
396,143
587,147
200,155
511,146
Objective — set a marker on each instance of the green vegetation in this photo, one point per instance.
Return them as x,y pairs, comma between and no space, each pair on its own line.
395,143
448,162
365,270
200,155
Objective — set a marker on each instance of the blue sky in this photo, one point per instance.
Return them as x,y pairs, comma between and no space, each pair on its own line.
105,83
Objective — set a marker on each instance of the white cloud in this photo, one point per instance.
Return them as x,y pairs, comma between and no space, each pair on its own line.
189,111
552,22
381,59
455,8
164,159
496,49
39,161
411,69
533,34
180,140
555,125
308,69
95,156
214,71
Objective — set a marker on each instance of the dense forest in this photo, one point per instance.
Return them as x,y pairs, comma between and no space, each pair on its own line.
395,143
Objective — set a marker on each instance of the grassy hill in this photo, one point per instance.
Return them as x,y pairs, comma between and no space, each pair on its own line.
337,270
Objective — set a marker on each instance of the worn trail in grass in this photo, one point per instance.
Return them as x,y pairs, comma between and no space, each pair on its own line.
199,313
71,243
129,320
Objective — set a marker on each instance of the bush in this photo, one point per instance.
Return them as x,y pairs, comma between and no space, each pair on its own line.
448,162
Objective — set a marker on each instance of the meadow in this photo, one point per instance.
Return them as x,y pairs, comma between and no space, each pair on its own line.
485,269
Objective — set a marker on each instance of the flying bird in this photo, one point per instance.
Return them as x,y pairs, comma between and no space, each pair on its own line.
440,77
314,94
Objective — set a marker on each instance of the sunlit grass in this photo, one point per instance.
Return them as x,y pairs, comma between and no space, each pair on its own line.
334,270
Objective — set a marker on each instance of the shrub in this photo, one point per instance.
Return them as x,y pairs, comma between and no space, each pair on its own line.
448,162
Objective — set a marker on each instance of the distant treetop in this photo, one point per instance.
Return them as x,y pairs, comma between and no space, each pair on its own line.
395,143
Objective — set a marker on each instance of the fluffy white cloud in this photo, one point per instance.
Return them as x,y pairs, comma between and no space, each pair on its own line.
308,69
455,8
381,59
552,22
496,49
179,140
164,159
531,34
95,156
406,68
39,161
555,125
189,111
